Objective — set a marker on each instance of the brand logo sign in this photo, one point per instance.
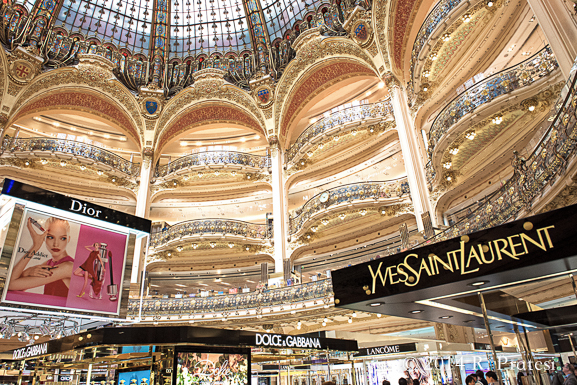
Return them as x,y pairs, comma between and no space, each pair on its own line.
387,349
466,259
287,341
30,351
78,207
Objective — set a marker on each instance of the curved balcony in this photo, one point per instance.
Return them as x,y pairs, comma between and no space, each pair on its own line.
521,75
209,227
223,159
345,195
367,113
531,176
44,147
230,305
434,19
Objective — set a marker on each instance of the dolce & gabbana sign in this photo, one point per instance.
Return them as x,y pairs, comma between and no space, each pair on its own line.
30,351
387,349
279,340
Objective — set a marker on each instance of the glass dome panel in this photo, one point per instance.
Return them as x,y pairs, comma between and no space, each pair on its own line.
281,15
28,4
124,23
205,26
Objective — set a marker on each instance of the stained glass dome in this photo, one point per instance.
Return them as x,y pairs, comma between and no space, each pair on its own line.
160,42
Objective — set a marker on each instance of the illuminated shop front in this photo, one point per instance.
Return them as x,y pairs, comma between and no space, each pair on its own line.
182,355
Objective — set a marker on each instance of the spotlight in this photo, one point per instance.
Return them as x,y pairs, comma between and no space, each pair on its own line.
350,320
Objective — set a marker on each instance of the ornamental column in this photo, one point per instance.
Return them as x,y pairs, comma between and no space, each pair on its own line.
279,205
558,23
143,211
414,165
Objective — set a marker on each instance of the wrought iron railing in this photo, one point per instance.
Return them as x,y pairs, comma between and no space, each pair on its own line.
286,296
347,194
200,227
433,20
531,176
362,112
71,147
537,66
214,158
523,74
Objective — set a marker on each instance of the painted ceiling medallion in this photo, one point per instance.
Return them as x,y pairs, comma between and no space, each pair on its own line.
362,33
152,106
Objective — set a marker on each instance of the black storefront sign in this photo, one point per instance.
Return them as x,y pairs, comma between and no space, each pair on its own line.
387,349
286,367
49,198
528,248
178,335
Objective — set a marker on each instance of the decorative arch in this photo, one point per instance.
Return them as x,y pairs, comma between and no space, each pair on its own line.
312,48
318,79
403,13
206,113
98,105
209,89
92,77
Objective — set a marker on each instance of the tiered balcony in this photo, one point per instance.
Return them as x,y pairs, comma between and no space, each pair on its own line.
521,75
339,122
532,177
243,305
45,150
352,195
226,229
226,160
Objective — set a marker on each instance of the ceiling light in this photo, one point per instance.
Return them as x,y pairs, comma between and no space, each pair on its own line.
426,74
375,304
342,216
489,3
354,314
446,37
531,108
314,229
231,245
363,212
299,323
467,18
368,93
433,56
324,324
99,172
213,244
81,167
324,221
179,248
470,135
449,178
416,311
312,120
350,320
169,253
63,163
479,283
381,85
447,165
446,317
379,315
27,163
194,245
454,151
43,161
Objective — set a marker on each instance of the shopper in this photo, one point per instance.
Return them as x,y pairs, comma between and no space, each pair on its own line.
470,380
402,381
385,382
416,382
492,378
520,376
568,373
481,377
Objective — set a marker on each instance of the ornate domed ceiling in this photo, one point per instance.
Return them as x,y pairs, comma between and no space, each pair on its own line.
160,44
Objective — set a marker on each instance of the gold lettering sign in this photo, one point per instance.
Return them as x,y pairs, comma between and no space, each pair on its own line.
465,260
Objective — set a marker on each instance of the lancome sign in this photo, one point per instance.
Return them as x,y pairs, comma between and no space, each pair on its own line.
387,349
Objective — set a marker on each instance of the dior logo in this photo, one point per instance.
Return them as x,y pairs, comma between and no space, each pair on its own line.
81,207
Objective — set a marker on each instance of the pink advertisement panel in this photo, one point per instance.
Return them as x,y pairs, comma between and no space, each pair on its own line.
63,264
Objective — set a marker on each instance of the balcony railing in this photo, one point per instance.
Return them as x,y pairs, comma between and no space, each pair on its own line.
433,20
523,74
206,158
377,110
77,149
348,194
531,176
210,227
157,308
506,81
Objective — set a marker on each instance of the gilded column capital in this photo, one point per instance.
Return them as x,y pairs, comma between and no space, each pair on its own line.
391,81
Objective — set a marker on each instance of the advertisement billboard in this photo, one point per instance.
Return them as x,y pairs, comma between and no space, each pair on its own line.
60,263
212,369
